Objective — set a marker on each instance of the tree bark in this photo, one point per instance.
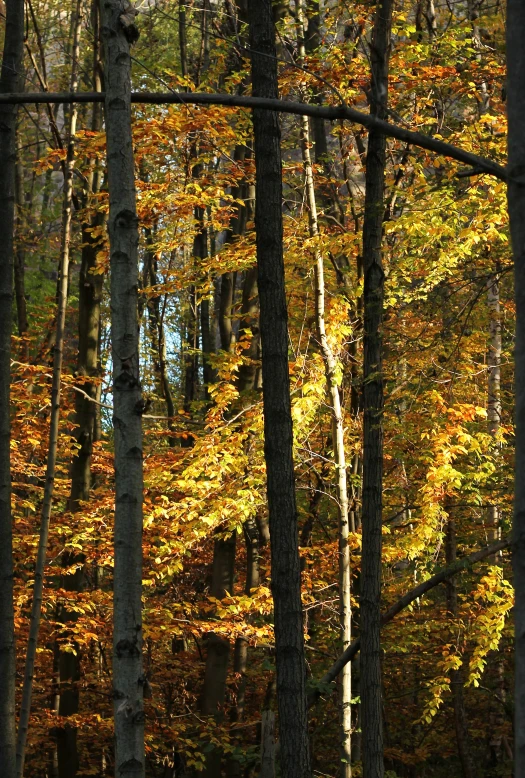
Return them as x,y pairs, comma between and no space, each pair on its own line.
516,206
19,255
218,648
90,288
62,290
370,612
9,82
278,433
86,412
267,744
338,438
128,679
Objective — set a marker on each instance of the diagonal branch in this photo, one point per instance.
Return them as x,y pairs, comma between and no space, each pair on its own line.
443,575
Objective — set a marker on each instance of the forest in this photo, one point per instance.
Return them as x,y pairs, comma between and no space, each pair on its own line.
262,389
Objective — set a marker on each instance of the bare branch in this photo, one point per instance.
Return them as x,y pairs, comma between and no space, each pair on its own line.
328,112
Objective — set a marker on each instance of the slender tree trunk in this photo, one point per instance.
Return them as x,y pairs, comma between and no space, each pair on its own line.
240,652
191,360
90,290
36,607
86,414
128,679
278,433
182,39
493,511
331,371
493,383
516,206
370,615
249,321
10,81
19,255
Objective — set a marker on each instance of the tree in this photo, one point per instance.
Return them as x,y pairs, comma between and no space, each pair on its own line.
10,80
278,432
372,511
516,206
118,30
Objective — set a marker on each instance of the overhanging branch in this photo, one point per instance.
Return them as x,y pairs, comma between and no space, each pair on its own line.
328,112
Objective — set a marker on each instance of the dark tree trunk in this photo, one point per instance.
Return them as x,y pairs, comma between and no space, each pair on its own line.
516,205
218,648
370,616
19,255
86,413
128,679
249,321
191,359
9,82
278,433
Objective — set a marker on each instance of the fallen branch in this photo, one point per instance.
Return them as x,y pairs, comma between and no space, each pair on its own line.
328,112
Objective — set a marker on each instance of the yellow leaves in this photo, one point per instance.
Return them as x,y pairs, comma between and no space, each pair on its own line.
495,597
440,685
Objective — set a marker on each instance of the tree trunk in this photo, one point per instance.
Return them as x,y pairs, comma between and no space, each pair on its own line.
493,511
19,255
218,648
86,413
9,82
370,614
278,433
267,744
249,321
62,288
331,372
516,206
493,383
128,679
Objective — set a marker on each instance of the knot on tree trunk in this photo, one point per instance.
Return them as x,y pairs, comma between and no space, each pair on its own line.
127,20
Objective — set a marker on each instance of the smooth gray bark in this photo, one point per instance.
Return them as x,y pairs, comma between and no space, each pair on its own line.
9,82
516,206
278,432
128,679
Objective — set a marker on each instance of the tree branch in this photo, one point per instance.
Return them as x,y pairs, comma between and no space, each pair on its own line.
330,113
413,594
